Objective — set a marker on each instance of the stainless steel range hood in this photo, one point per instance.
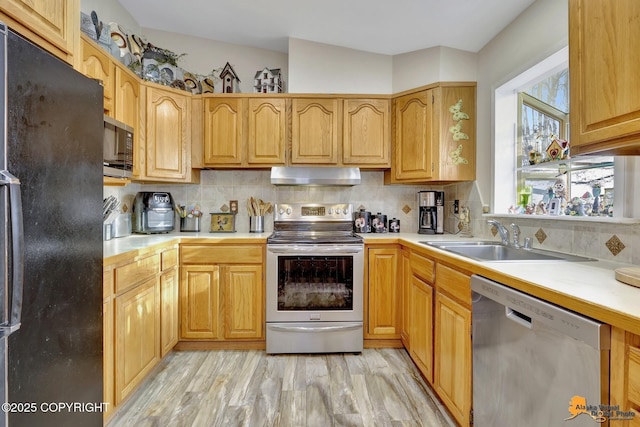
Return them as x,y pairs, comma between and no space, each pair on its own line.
315,176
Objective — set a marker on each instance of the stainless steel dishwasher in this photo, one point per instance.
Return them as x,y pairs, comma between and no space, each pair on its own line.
531,358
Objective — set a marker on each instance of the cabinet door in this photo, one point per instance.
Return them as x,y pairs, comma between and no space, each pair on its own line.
267,131
452,373
604,40
127,108
199,301
97,64
314,131
366,136
383,293
243,301
625,374
168,134
455,158
413,136
108,367
405,271
169,311
223,131
137,331
55,22
422,326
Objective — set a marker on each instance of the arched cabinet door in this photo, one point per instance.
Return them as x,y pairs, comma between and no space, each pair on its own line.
314,131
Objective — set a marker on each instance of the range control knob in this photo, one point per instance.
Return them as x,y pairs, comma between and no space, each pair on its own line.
337,211
280,211
346,211
330,211
289,211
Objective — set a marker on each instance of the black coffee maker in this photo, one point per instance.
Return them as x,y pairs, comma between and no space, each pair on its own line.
431,212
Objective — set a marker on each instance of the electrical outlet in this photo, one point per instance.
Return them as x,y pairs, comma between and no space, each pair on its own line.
456,206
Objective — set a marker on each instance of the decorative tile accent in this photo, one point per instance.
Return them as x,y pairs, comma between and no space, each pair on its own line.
494,230
541,235
406,209
615,245
224,208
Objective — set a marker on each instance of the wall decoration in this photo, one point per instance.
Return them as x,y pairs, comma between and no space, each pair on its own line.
222,222
268,81
457,115
456,158
230,80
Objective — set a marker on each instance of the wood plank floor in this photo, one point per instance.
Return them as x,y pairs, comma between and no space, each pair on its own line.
380,387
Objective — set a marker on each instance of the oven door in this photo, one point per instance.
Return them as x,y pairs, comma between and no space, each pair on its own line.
318,283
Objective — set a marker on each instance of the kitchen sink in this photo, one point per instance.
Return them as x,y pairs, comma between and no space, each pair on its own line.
493,251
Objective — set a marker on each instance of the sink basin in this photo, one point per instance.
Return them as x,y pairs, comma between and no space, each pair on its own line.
492,251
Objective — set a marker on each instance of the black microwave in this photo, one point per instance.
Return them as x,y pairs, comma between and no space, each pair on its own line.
118,148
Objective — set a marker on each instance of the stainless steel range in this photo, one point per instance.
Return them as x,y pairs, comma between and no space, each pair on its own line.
315,274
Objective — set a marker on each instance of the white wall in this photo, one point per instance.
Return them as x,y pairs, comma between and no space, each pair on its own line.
204,55
537,33
322,68
111,11
435,64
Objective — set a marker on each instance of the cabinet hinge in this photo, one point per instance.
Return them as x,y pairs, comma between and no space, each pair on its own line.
433,99
471,417
432,167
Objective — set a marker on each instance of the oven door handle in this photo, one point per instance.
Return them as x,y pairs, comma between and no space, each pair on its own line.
315,328
297,250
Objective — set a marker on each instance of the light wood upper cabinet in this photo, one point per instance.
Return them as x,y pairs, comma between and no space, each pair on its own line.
435,135
267,131
413,136
224,131
384,293
366,137
127,107
166,139
98,64
604,40
315,133
52,24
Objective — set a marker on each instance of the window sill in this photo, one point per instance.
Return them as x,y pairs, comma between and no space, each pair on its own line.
589,219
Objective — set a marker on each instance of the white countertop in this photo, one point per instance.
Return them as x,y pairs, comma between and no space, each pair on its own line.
581,286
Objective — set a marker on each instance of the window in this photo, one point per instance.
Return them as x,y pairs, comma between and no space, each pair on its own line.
532,159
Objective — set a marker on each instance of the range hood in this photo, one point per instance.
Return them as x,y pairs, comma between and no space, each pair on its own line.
281,175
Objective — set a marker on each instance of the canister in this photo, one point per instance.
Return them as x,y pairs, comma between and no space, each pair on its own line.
362,222
379,223
394,225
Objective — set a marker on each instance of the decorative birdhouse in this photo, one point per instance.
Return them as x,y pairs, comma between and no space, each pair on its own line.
268,81
230,80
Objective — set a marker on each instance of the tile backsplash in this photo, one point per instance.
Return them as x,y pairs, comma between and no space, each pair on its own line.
218,187
610,241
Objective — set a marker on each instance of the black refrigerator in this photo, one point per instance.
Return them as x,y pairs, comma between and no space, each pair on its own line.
52,124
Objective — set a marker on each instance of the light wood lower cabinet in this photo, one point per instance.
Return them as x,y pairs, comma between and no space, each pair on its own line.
383,297
137,332
406,277
421,349
169,311
452,379
223,301
199,302
624,384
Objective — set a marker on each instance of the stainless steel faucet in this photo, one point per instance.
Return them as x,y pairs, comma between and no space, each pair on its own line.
516,235
504,233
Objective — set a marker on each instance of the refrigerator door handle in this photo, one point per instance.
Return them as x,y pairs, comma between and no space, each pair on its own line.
17,252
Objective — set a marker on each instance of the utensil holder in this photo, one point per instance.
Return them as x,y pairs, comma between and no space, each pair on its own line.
190,224
256,224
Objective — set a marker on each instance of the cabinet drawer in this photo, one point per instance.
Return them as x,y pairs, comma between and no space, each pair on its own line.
422,267
107,283
136,272
169,258
219,254
454,283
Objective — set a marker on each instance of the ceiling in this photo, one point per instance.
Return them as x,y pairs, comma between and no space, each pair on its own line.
378,26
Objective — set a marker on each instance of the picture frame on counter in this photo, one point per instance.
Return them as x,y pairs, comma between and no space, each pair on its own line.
223,222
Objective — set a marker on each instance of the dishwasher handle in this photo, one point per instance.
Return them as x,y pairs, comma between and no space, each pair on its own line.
519,318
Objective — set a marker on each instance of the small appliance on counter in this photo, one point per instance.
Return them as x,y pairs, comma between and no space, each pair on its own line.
153,212
431,212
